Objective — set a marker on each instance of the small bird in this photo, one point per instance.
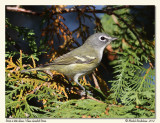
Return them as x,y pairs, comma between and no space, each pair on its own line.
80,61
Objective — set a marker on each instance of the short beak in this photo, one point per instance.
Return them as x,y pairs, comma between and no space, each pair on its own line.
113,38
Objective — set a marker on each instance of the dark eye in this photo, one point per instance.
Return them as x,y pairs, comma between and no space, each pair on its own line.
102,38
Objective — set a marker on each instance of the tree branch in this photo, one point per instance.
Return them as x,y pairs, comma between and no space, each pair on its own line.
18,9
95,81
138,38
92,98
74,9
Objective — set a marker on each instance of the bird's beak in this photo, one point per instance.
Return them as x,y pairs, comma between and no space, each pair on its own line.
113,38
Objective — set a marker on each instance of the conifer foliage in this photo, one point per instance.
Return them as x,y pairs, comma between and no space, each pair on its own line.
129,94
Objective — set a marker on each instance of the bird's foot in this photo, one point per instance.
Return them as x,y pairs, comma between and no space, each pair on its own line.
85,93
89,92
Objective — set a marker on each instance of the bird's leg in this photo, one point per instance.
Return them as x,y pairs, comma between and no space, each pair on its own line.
81,86
84,90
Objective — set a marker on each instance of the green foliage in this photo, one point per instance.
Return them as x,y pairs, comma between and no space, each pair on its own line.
134,83
79,109
21,90
26,35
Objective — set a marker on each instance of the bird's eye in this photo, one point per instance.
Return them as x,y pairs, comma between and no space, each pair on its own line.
102,38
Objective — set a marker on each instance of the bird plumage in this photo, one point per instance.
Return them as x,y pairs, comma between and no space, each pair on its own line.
80,61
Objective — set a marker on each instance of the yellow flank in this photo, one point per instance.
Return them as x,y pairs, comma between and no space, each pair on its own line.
72,69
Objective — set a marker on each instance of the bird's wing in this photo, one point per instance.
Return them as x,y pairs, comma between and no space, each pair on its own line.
66,60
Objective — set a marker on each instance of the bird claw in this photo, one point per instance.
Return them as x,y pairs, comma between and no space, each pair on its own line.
89,92
84,93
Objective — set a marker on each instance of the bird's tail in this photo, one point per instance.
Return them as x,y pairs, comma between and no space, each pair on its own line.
32,69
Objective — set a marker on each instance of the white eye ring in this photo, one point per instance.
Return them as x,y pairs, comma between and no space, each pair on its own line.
103,38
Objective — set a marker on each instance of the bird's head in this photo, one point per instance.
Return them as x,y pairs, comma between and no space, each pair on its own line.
99,40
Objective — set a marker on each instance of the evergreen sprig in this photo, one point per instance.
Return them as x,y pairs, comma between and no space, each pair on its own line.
134,82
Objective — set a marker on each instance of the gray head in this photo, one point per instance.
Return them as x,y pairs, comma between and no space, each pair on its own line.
99,40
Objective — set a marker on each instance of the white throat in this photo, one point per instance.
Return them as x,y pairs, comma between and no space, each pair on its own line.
100,55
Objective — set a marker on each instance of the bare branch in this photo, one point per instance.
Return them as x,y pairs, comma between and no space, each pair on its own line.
92,98
95,81
18,9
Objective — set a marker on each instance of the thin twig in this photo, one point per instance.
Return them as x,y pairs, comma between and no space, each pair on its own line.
37,88
18,9
140,107
95,81
92,98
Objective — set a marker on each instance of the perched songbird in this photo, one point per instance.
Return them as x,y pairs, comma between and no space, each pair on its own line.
80,61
